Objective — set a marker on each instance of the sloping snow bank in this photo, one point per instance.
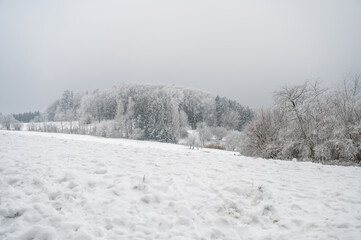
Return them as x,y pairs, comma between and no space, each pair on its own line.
57,186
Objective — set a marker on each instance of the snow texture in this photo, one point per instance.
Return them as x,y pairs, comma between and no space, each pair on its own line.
57,186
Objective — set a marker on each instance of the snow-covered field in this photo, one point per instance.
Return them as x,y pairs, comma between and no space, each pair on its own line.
57,186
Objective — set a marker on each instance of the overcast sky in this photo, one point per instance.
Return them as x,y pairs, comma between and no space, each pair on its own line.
243,50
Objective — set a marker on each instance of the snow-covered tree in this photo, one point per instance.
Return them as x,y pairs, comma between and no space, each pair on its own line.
233,140
204,133
9,122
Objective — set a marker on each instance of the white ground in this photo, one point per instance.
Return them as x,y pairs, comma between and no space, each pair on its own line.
57,186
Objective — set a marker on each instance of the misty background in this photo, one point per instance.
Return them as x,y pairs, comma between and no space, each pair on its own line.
243,50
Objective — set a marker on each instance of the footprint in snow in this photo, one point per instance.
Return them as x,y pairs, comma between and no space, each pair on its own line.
100,171
54,195
13,181
91,184
183,221
72,185
67,176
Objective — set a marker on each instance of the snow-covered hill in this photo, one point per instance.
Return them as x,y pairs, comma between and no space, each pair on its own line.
57,186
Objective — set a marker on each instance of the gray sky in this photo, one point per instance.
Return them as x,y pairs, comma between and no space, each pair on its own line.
243,50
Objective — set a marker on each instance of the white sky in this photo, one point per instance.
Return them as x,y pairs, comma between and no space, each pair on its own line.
243,50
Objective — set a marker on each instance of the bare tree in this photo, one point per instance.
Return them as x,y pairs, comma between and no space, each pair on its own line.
302,106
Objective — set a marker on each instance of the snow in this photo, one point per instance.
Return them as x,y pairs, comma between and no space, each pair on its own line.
58,186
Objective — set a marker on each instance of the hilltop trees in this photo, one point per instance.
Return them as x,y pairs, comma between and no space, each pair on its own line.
146,112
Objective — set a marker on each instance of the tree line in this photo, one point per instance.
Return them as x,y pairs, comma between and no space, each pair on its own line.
161,113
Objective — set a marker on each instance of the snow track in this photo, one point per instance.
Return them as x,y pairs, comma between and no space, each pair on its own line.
57,186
